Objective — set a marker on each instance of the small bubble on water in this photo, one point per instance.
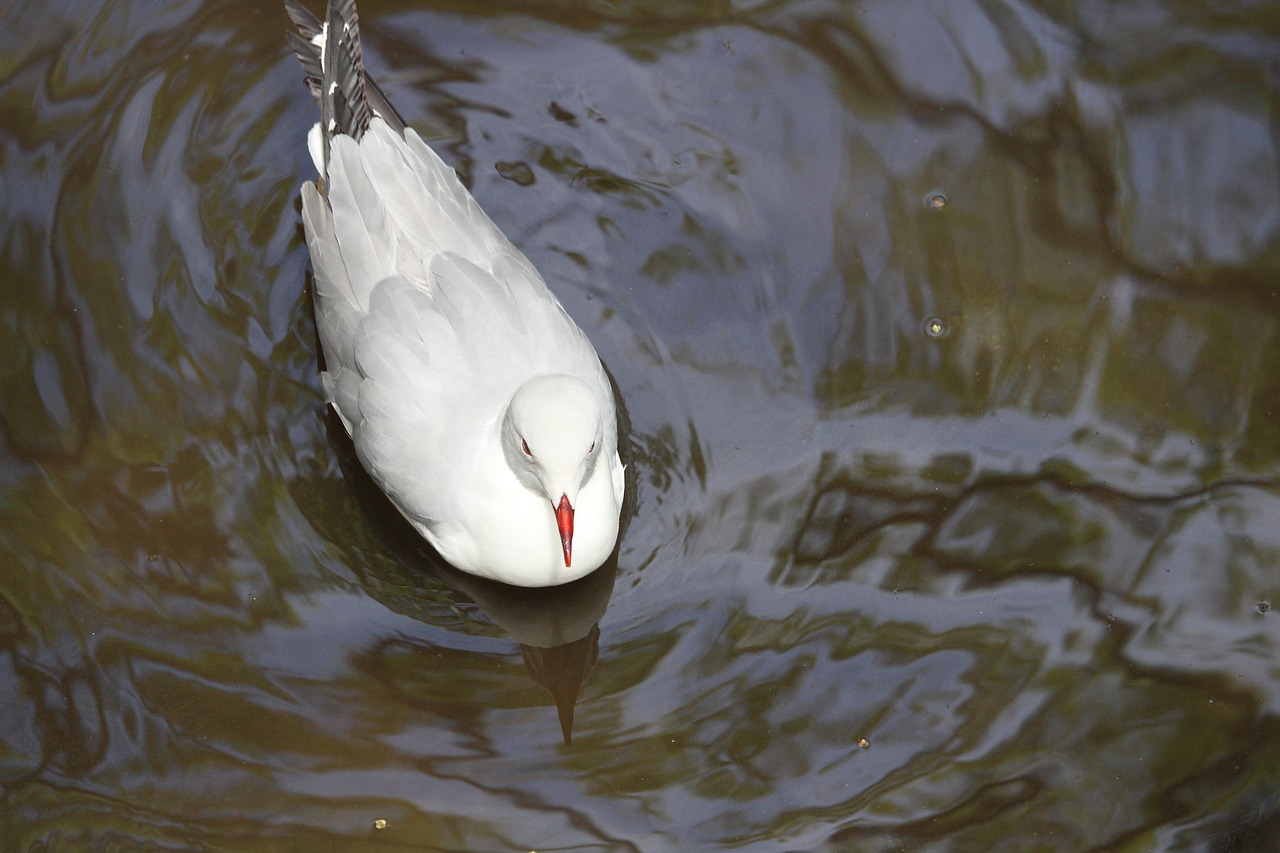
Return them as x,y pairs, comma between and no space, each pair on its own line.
936,201
935,328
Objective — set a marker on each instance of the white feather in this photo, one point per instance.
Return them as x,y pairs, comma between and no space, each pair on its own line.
315,146
418,195
360,222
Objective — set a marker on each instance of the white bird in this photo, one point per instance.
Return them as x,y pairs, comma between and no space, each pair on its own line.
472,398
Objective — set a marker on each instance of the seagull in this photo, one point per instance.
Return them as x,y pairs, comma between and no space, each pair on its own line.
472,398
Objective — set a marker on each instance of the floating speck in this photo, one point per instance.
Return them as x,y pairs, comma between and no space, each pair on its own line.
559,113
936,201
935,328
863,743
380,823
1264,606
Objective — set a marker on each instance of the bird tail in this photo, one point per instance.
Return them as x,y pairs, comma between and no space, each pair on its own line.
335,73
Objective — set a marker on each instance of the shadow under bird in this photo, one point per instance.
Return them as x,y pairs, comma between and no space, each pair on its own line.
472,398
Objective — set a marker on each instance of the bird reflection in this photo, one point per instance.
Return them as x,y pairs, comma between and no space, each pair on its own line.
557,627
562,670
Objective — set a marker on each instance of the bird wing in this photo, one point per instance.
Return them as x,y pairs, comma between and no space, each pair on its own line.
434,370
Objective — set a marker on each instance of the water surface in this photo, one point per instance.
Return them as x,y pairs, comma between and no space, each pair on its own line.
948,337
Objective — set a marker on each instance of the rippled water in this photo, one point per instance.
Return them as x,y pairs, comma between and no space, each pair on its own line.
949,341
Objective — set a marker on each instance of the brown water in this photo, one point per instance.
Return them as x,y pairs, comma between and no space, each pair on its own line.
949,340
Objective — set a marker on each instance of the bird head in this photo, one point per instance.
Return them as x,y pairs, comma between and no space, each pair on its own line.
551,436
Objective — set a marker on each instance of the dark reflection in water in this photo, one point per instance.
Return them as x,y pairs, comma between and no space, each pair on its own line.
1007,585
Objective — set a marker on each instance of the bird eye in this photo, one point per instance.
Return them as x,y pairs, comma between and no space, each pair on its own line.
591,449
524,448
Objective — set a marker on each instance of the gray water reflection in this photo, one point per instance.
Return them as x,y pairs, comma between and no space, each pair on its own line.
1032,561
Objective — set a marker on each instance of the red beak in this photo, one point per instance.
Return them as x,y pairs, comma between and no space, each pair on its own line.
564,521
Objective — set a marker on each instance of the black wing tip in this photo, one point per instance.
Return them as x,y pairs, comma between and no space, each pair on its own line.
348,97
307,23
334,73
